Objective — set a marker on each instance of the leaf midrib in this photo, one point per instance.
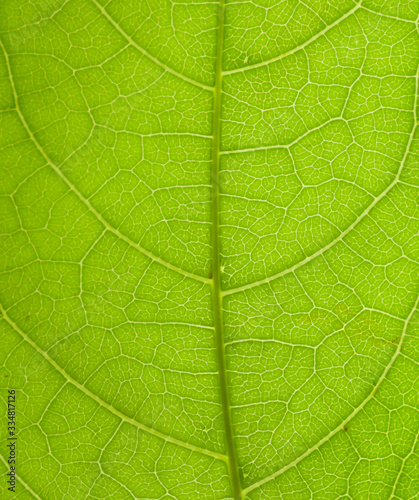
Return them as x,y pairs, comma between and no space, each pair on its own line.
216,262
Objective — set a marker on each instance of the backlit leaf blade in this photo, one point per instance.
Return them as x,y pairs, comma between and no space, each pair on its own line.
210,243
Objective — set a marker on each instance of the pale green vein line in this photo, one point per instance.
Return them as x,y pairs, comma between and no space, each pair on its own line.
122,485
406,458
348,419
156,134
338,238
103,403
388,16
298,47
102,471
163,134
144,52
216,263
169,323
86,202
288,145
20,480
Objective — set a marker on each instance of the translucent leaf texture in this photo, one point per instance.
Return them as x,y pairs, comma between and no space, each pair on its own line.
210,248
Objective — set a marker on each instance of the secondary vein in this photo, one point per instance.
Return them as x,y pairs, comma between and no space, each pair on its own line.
359,408
125,418
359,219
132,42
79,195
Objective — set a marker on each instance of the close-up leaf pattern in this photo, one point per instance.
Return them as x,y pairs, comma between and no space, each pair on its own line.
209,279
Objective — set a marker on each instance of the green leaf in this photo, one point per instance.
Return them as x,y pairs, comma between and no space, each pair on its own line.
210,249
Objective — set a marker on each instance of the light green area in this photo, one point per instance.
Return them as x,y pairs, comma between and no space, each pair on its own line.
209,238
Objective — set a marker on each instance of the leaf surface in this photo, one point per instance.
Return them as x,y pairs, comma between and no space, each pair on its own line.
210,248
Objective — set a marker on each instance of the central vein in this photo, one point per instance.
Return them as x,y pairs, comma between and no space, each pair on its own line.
216,264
